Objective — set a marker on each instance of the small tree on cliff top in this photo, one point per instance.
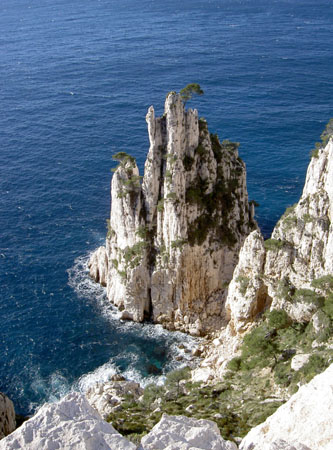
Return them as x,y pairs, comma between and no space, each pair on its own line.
188,91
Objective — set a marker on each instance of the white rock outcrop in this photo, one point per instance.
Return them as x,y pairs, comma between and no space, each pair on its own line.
278,274
298,361
98,265
174,241
70,424
184,433
108,397
247,293
303,240
7,416
306,419
300,251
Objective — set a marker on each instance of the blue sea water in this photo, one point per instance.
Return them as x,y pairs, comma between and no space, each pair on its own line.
76,79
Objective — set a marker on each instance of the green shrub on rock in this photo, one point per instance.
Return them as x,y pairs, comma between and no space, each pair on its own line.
278,319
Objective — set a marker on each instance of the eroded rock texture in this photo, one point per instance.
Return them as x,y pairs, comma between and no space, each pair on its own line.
299,252
174,240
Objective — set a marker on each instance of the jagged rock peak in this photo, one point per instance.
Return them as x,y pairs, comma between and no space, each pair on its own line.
173,241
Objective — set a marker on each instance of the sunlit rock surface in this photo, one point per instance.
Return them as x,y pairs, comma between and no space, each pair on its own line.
174,240
70,424
184,433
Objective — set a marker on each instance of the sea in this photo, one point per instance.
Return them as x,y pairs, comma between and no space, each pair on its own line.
76,80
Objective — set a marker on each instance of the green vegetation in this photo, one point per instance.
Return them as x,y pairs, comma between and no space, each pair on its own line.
243,283
110,231
229,404
326,134
217,204
254,203
201,150
133,255
142,232
274,342
160,205
171,196
131,185
168,176
188,91
307,218
124,159
315,152
188,162
178,243
278,319
274,244
289,218
324,284
164,254
285,290
239,401
307,296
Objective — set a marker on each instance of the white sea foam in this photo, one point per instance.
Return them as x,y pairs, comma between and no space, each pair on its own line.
86,288
51,388
100,375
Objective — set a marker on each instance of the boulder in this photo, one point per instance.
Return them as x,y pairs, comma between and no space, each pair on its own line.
299,361
70,424
7,416
184,433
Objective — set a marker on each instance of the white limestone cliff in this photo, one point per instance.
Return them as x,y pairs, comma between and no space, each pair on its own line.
301,248
304,239
247,293
278,274
299,252
173,242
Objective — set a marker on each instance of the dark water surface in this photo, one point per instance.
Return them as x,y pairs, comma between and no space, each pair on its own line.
76,79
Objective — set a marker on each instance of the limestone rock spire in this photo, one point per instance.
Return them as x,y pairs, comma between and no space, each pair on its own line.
174,240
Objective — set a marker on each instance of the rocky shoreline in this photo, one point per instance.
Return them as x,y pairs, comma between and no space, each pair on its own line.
183,250
303,423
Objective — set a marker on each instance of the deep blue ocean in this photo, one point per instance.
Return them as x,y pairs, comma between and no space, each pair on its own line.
76,79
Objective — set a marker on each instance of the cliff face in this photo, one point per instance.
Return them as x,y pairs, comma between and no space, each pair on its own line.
174,240
299,252
292,271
